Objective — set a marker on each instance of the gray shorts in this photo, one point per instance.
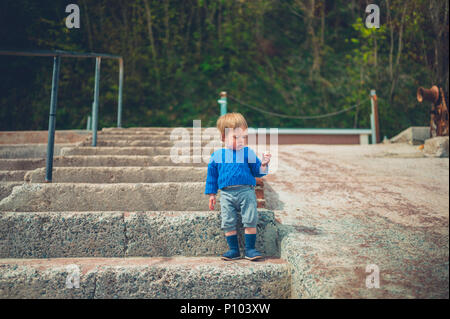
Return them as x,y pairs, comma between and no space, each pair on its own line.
238,199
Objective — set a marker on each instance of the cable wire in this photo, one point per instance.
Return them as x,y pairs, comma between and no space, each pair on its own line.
293,116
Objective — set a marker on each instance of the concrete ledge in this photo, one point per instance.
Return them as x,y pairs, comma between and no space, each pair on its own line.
67,234
12,176
10,164
120,234
37,137
53,197
414,135
149,129
106,197
29,150
143,136
160,142
149,138
6,188
191,234
105,150
155,174
178,277
101,160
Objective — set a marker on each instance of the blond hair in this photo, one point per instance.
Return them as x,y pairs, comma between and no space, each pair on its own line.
230,120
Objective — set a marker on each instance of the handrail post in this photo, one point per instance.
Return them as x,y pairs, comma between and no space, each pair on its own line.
96,95
88,123
52,119
119,106
223,103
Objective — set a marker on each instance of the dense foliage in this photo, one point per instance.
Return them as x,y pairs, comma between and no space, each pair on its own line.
295,57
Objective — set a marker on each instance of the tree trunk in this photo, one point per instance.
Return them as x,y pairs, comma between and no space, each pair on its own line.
152,43
399,53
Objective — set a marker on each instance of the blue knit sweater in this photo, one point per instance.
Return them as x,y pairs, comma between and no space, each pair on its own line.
228,167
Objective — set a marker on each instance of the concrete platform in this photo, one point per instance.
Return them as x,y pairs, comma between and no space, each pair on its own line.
174,277
123,234
343,208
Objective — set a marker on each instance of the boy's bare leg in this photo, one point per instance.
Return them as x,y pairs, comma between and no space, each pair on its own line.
250,230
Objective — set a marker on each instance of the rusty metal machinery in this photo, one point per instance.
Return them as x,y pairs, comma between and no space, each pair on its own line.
439,112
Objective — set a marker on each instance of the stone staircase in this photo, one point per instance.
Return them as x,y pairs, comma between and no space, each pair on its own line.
125,221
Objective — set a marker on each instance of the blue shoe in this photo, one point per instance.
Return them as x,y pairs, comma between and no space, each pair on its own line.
250,252
231,255
234,252
253,254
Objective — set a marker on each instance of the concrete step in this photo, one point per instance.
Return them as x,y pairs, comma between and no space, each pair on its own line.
155,174
124,234
174,277
163,142
102,160
136,133
29,150
151,129
7,187
155,133
53,197
105,150
141,137
20,164
12,176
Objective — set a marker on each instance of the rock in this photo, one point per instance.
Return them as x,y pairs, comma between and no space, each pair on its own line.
436,147
414,135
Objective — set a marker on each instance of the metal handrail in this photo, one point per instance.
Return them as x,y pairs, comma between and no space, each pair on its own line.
57,54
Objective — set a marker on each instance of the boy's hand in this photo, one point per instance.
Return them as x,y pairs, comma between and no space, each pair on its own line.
266,159
212,201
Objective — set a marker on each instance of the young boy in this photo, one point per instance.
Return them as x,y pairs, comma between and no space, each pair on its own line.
233,170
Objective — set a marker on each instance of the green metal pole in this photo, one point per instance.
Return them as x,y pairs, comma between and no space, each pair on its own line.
223,103
92,117
52,119
119,107
96,94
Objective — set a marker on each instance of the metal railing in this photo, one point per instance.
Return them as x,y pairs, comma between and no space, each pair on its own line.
57,54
